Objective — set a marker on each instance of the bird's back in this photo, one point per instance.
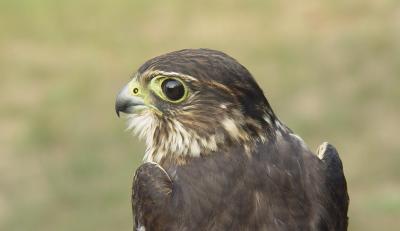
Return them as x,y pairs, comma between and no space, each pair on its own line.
279,186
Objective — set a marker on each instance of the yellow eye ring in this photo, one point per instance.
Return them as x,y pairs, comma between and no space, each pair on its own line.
170,89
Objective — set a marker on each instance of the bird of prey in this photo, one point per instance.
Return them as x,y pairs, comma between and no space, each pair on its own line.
217,156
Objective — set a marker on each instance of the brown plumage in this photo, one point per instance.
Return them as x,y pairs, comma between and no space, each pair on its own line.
217,156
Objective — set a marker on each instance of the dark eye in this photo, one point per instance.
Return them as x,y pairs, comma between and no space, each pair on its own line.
173,89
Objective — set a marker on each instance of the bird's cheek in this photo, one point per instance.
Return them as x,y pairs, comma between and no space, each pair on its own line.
154,105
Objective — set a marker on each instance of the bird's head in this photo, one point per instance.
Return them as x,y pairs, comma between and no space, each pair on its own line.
194,102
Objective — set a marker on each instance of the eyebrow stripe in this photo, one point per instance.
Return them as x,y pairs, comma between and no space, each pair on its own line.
153,73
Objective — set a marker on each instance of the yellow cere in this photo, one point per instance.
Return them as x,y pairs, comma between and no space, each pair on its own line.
135,88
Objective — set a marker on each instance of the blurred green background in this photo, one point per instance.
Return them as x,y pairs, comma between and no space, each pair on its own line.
331,70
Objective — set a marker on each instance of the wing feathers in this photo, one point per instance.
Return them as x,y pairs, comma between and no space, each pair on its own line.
336,182
152,189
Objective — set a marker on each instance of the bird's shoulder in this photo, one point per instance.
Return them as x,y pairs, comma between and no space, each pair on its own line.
153,172
152,189
335,178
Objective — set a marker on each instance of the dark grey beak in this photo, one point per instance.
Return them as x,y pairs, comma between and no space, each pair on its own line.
126,101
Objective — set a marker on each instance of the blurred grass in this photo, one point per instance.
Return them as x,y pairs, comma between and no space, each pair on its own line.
331,70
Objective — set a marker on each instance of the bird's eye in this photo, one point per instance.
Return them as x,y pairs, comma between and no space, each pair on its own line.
173,89
169,88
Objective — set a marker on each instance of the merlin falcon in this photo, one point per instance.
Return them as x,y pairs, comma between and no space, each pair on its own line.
217,156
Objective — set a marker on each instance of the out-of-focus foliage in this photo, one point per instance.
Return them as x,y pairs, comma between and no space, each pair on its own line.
331,70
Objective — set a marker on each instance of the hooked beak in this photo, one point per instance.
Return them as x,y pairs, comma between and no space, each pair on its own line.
126,102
